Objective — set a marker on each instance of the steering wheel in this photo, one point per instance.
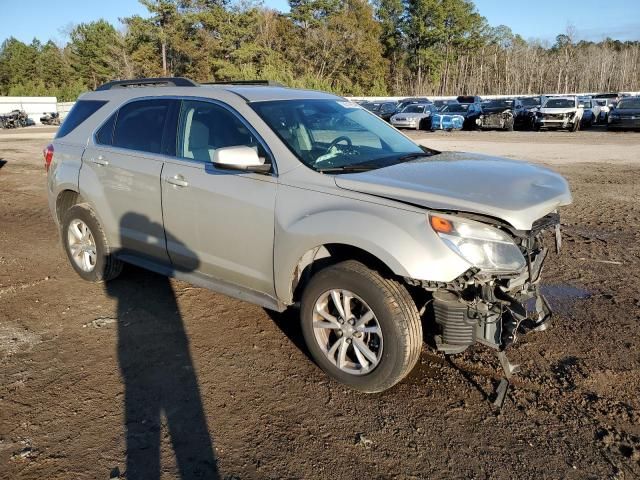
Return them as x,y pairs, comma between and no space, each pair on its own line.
338,140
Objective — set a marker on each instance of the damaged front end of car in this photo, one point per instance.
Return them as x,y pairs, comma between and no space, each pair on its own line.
503,120
498,298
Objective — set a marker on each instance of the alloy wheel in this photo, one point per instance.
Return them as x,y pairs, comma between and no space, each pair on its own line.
347,331
82,245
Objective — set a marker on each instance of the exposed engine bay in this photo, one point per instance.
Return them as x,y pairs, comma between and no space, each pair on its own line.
496,120
494,309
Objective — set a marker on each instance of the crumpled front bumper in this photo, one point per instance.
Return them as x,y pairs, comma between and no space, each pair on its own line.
493,309
494,121
555,121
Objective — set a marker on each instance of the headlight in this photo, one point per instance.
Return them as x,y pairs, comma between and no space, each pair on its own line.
483,246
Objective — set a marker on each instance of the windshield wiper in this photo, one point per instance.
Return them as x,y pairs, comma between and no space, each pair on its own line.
346,169
412,156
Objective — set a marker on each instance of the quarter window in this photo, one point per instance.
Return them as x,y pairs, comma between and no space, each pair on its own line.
82,110
104,136
140,125
205,127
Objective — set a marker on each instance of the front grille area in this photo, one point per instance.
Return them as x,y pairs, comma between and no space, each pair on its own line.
555,116
492,121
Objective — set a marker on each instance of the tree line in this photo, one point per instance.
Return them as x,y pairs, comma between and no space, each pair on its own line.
351,47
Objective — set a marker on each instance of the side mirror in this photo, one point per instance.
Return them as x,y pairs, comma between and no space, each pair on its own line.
241,158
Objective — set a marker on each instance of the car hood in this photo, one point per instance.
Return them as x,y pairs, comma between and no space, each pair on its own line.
411,115
517,192
626,111
558,110
490,110
462,114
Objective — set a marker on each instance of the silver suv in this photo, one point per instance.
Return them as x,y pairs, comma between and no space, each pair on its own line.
298,198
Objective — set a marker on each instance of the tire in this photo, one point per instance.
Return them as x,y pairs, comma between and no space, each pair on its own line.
105,266
394,313
510,126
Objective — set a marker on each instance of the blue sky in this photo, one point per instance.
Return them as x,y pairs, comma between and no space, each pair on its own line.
542,19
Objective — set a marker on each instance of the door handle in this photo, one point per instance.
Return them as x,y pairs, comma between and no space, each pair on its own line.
100,160
178,181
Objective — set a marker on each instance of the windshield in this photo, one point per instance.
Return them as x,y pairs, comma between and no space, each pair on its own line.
333,134
530,102
456,107
498,104
414,109
629,103
388,107
560,103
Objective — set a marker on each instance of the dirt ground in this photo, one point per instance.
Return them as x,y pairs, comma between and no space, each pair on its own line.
218,388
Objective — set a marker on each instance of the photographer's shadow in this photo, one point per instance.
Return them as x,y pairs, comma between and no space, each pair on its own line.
158,374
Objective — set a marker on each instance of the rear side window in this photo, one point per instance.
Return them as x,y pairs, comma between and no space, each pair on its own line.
82,110
140,125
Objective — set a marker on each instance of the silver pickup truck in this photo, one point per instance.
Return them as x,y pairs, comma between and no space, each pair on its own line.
298,198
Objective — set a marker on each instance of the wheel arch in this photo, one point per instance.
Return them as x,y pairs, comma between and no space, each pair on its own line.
322,256
65,200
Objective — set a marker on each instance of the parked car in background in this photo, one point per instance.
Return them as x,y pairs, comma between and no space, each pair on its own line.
588,116
559,112
498,114
626,115
232,188
446,121
371,106
469,99
387,110
596,108
383,109
411,100
602,108
525,112
470,112
610,98
441,103
417,116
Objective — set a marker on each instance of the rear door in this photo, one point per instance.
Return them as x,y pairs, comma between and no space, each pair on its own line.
227,215
121,175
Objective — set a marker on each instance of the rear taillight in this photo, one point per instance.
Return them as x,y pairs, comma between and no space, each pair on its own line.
48,156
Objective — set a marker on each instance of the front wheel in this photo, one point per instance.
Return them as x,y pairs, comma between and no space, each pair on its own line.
361,328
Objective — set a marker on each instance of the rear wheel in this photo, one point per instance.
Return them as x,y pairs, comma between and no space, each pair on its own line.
86,245
361,328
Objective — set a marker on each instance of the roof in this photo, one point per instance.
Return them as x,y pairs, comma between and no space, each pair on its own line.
263,93
178,86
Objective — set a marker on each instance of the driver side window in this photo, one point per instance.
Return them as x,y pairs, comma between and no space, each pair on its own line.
205,127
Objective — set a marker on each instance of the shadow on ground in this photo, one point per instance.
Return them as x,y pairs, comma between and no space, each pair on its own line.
162,396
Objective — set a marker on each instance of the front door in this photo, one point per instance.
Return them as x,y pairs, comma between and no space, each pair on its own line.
227,216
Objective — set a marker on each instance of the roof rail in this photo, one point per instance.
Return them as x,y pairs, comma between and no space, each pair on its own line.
268,83
149,82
